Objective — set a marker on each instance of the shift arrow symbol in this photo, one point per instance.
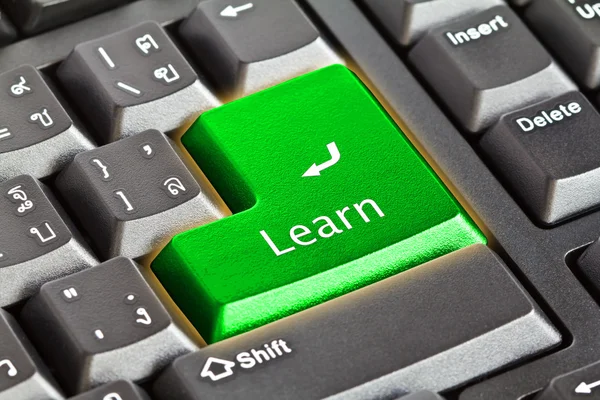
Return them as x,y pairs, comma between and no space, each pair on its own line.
232,12
586,388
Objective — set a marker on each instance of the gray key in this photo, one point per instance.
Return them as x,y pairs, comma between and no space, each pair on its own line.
132,81
134,195
570,29
119,390
249,46
583,383
487,65
548,153
34,16
22,374
37,136
101,325
37,241
434,327
408,20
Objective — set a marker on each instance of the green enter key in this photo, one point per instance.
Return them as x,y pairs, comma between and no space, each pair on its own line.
328,196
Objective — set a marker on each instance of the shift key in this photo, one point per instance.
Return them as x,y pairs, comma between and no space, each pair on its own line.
328,196
434,327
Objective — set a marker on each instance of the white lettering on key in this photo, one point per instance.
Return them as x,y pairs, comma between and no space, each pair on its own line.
129,89
21,88
11,369
109,62
4,134
475,33
19,195
147,151
112,396
146,44
128,206
246,360
145,317
174,187
70,293
276,348
587,11
545,118
103,168
233,12
586,388
36,230
43,119
326,226
162,74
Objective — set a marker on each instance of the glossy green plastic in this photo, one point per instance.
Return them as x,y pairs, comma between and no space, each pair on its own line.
298,238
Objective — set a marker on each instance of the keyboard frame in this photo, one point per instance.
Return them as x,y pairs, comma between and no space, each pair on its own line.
540,257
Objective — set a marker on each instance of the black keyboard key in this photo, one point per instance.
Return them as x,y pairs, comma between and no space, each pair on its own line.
581,384
132,81
570,29
134,195
487,65
37,136
548,153
101,325
36,243
34,16
22,376
119,390
400,334
8,34
249,46
408,20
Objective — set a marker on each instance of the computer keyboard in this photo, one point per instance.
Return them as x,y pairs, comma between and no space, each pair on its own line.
299,199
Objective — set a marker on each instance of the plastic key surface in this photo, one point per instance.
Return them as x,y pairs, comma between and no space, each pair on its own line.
134,80
319,176
249,46
487,65
22,375
408,20
133,195
102,325
38,243
34,16
37,135
583,383
571,29
435,327
549,154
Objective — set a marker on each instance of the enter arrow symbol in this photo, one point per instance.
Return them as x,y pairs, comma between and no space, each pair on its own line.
586,388
315,170
232,12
